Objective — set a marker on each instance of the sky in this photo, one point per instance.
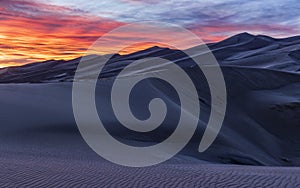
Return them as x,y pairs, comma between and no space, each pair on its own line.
39,30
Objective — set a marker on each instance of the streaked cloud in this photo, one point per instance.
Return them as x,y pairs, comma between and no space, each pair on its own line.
199,12
210,19
32,31
36,30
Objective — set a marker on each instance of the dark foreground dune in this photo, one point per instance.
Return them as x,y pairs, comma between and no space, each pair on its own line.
258,145
36,171
53,157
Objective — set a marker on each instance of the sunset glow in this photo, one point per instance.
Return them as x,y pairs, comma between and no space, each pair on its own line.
32,31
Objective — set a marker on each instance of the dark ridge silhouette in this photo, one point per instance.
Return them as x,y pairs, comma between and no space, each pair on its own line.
260,134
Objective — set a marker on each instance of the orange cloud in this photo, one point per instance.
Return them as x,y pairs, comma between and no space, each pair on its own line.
31,32
50,33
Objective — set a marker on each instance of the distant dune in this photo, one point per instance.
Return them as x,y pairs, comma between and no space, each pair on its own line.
41,145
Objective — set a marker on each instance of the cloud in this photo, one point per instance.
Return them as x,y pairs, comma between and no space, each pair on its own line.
198,12
33,30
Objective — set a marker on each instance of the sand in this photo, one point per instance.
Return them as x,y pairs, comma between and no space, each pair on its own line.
258,145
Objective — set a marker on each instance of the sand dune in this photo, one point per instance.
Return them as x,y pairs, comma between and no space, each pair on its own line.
41,145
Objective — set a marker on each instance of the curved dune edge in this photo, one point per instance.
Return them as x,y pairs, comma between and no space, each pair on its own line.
41,145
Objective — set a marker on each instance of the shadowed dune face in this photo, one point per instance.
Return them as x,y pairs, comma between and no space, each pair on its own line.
41,144
243,50
261,124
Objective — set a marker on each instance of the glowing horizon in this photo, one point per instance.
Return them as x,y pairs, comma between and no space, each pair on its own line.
39,30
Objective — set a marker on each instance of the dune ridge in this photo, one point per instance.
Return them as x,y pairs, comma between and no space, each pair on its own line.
41,145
